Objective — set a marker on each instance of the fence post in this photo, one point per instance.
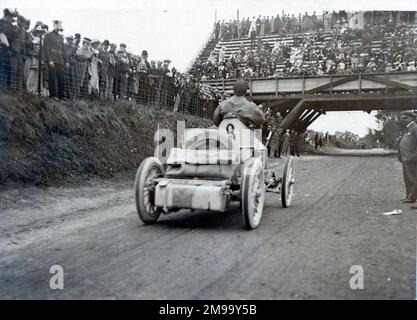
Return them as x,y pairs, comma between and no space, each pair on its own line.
40,65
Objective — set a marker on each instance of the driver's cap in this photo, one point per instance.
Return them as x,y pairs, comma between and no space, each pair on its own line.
240,87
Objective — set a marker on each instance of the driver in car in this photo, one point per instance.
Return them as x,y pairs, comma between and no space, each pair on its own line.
239,107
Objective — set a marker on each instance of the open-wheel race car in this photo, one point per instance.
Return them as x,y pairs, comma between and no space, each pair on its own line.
216,170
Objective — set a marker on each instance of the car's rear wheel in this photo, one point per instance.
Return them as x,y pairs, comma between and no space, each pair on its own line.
149,170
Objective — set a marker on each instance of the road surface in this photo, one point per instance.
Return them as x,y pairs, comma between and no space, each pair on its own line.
303,252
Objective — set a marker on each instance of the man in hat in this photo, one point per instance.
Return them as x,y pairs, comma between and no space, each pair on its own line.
408,156
122,70
167,81
55,57
160,79
144,67
171,90
111,73
7,36
239,107
153,83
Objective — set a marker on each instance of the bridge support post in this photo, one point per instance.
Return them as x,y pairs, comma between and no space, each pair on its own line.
305,122
292,116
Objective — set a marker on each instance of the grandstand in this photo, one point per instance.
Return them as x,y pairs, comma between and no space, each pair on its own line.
302,98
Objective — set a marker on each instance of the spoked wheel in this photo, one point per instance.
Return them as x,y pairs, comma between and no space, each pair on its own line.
288,181
149,169
253,193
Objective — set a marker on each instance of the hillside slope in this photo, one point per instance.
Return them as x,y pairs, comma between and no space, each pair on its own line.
44,141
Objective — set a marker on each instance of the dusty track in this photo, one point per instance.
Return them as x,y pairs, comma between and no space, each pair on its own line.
304,251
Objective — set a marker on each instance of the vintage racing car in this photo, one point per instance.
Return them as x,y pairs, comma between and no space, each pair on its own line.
216,170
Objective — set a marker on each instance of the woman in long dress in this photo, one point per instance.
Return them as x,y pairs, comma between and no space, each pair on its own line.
32,84
93,84
83,56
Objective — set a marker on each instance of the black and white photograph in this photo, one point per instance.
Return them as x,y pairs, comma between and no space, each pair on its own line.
201,151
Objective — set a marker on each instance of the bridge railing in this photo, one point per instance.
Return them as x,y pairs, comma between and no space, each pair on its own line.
328,84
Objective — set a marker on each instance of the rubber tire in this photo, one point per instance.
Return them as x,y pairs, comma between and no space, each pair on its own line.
247,186
141,176
289,162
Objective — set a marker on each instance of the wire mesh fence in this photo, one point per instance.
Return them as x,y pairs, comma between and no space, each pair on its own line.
80,71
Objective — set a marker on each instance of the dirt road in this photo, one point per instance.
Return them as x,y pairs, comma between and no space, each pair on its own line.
305,251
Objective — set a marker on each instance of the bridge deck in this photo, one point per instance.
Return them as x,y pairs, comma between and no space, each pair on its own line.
297,97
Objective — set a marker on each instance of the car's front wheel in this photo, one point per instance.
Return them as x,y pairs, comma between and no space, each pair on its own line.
253,193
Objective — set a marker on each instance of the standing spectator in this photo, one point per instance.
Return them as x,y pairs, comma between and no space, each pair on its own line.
277,24
267,26
77,40
111,72
285,143
18,54
44,67
216,29
316,140
28,51
71,87
83,56
262,30
132,80
321,140
258,25
171,88
252,33
408,156
222,54
153,83
93,69
104,57
241,28
122,70
166,75
7,35
294,143
33,84
247,27
55,56
144,66
160,79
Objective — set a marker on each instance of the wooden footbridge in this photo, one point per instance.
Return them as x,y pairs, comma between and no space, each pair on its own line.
302,100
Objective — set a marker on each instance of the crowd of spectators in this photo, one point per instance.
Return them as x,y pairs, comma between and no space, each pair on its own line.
269,25
342,50
45,62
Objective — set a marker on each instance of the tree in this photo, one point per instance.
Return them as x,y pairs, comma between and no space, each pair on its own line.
391,129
